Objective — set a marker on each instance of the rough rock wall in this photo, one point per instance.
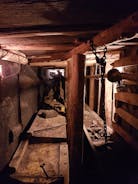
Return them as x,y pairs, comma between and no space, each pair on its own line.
28,94
8,118
16,108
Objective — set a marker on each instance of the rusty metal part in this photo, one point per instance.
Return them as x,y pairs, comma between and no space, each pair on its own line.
44,170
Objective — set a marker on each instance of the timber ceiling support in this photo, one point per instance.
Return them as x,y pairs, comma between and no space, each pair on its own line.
125,27
75,115
45,33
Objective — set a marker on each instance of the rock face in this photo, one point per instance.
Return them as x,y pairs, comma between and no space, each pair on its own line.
16,109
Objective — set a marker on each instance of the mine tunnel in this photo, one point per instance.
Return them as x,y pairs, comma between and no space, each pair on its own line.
68,92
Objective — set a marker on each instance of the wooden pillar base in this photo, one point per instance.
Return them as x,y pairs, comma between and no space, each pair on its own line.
75,115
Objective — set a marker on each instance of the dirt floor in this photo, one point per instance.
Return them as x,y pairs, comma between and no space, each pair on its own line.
117,164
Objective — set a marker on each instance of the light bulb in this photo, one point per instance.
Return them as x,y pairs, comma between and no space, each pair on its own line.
1,72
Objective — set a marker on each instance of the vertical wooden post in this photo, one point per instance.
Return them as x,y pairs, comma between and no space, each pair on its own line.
94,90
75,115
91,90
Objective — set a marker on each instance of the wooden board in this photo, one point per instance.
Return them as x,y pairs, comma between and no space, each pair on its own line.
130,98
75,90
64,162
109,35
128,82
126,61
53,126
55,158
127,137
19,154
132,120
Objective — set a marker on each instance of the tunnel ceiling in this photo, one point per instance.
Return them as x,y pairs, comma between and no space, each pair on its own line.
48,29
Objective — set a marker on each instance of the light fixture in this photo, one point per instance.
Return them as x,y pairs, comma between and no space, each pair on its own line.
1,73
49,34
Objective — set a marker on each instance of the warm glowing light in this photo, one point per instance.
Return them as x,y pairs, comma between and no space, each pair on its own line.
1,74
55,71
120,69
49,34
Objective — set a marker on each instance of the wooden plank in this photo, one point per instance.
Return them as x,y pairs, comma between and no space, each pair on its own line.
38,179
47,31
19,154
78,50
130,98
129,24
127,137
38,47
94,76
45,59
36,154
91,89
128,82
48,129
41,39
50,59
50,64
64,162
132,120
131,60
75,115
39,140
130,76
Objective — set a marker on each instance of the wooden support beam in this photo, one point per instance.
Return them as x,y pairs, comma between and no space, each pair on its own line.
75,115
128,82
130,76
95,76
38,47
50,64
128,25
45,31
92,87
78,50
127,137
132,120
130,98
39,140
54,63
64,162
48,57
131,60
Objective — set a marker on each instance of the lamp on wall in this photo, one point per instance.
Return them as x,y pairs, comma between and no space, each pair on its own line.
1,73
